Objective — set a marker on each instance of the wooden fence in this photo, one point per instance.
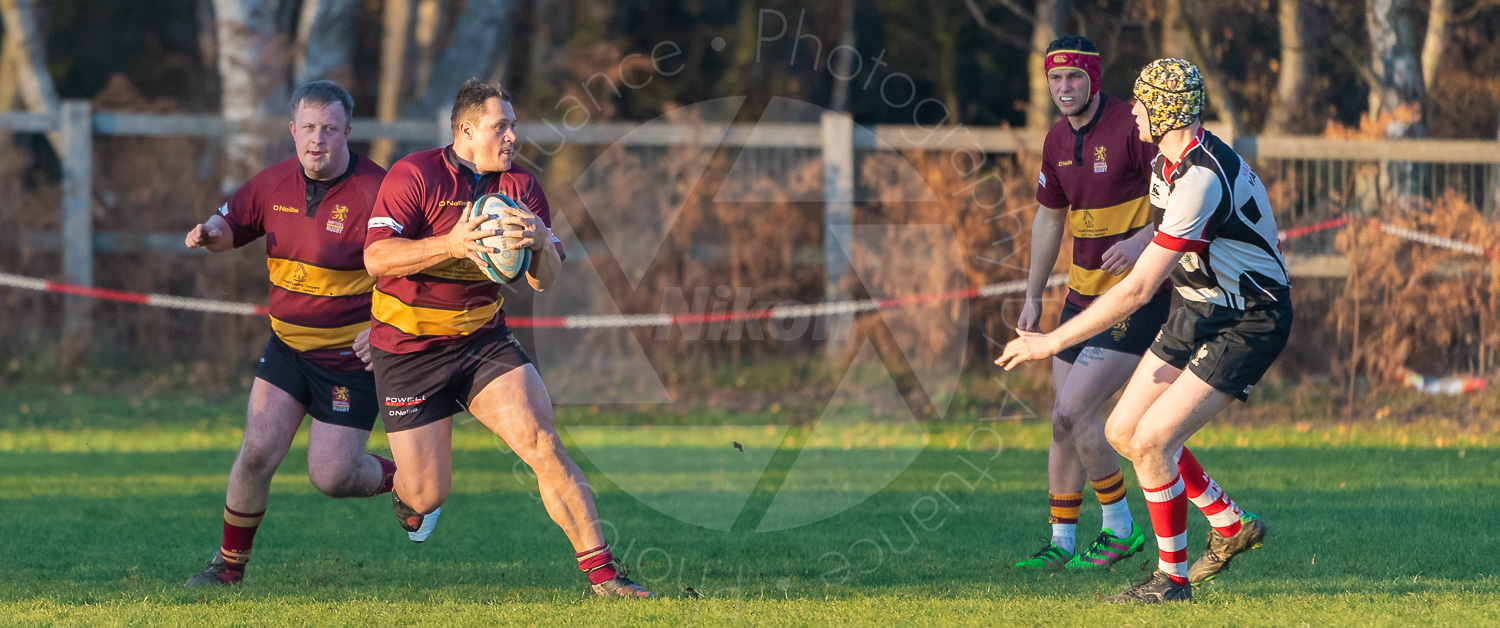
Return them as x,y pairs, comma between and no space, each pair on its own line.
836,137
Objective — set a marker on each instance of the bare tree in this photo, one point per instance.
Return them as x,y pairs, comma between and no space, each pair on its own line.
325,41
254,67
1184,37
397,30
840,99
1048,21
480,43
25,63
430,21
1435,44
1393,58
1291,69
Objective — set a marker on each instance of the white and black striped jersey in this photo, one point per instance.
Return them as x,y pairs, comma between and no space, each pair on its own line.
1216,211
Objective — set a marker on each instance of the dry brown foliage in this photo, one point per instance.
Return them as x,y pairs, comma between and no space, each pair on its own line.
1408,305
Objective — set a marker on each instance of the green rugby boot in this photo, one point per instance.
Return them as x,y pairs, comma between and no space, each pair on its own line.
1053,556
1109,549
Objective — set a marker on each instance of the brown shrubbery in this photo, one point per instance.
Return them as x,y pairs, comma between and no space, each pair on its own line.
1404,306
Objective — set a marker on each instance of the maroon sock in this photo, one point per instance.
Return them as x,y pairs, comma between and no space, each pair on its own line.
387,475
239,534
597,563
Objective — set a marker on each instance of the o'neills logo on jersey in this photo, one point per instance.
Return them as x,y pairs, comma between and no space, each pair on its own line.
341,398
284,208
447,203
336,221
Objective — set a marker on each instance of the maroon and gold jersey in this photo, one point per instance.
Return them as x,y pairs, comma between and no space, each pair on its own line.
1102,172
315,237
449,302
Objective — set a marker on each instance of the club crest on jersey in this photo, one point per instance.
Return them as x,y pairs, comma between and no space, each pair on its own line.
1099,164
1119,330
336,221
341,398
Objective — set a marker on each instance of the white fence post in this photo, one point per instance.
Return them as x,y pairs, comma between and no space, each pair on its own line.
77,155
838,205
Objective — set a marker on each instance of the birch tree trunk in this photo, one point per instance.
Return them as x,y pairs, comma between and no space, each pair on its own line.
27,72
840,100
254,67
1051,23
1394,59
1291,76
1183,38
325,42
482,39
397,25
1436,42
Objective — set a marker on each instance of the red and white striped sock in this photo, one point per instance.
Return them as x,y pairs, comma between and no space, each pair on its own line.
1168,507
1223,514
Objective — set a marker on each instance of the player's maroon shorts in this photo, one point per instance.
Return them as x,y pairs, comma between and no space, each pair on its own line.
433,384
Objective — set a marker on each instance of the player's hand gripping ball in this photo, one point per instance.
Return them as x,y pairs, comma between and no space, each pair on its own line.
510,263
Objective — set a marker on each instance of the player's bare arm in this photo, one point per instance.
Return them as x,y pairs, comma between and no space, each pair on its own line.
213,235
1129,295
1046,241
397,257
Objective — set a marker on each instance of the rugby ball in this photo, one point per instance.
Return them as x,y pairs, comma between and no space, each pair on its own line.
509,264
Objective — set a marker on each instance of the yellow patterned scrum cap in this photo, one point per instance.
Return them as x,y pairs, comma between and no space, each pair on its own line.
1172,92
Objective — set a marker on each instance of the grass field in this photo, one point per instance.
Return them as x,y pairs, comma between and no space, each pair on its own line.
107,503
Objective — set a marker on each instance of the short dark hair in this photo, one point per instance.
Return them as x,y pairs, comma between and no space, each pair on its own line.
322,94
468,104
1072,42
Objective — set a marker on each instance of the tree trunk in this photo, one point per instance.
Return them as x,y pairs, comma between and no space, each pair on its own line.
840,99
542,17
1051,23
1175,32
430,22
1183,38
254,64
28,59
482,39
1287,106
1436,43
397,20
1393,57
325,42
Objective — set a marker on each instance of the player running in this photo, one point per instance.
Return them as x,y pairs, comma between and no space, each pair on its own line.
312,210
1219,243
439,342
1095,183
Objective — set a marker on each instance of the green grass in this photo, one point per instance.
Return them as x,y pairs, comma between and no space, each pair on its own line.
109,502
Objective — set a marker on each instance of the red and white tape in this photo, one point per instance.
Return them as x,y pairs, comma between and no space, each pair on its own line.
192,304
569,322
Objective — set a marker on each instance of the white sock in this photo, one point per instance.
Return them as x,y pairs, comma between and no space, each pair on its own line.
1117,518
1062,535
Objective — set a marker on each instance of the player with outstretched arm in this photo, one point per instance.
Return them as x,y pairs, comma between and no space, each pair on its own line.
1219,244
311,209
